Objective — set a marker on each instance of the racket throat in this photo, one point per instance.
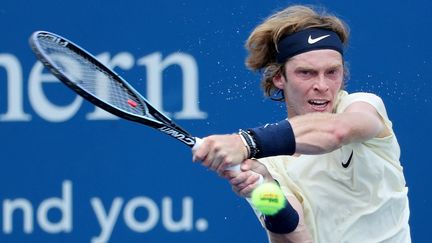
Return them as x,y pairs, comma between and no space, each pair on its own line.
188,140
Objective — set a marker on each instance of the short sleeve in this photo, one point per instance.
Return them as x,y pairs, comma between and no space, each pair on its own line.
369,98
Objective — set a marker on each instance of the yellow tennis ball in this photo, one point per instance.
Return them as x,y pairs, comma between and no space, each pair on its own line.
268,198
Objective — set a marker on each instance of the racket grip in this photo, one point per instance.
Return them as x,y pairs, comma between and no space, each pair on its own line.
198,142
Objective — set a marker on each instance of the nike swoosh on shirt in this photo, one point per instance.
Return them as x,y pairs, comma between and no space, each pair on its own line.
315,40
345,165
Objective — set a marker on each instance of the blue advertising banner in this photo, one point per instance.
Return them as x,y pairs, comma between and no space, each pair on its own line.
71,172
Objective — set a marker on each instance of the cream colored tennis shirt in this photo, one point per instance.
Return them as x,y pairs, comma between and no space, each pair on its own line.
354,194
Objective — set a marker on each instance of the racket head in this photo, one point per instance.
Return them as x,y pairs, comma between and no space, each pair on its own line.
91,79
87,76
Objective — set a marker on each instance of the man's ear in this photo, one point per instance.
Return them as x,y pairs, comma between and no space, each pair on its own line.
279,81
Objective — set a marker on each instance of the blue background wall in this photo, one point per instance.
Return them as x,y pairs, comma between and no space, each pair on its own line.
72,173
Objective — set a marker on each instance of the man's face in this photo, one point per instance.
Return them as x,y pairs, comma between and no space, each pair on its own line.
312,81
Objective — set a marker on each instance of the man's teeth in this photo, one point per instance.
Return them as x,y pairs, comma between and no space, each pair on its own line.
318,102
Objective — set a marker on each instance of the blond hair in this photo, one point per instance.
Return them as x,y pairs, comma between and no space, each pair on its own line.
262,43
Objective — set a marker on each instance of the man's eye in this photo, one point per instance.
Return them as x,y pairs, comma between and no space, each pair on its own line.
305,72
333,72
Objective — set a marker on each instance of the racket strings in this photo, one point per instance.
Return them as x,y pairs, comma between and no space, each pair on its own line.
93,79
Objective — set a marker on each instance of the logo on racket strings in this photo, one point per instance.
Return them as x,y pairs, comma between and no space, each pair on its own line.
52,38
176,134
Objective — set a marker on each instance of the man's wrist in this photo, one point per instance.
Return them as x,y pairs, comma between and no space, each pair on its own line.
249,142
246,145
273,139
283,222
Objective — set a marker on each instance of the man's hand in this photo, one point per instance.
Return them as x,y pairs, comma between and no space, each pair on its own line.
218,152
245,181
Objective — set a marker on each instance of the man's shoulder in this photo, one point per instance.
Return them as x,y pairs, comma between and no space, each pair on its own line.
346,99
360,95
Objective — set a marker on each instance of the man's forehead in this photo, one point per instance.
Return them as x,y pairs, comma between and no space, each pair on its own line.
317,57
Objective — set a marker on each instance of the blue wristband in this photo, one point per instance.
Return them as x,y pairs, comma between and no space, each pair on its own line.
283,222
274,139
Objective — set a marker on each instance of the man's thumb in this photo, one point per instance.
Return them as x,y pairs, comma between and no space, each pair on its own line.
253,165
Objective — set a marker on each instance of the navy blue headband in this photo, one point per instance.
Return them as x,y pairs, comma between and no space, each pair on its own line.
308,40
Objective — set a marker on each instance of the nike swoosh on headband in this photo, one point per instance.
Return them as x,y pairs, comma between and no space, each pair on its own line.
315,40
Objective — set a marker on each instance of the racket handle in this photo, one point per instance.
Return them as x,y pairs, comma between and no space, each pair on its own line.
199,141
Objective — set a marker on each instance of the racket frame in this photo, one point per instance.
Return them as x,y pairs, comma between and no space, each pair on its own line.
158,120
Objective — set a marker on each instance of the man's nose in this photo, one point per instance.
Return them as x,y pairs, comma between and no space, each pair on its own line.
321,84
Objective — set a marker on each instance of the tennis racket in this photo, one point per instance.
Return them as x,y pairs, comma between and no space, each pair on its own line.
88,77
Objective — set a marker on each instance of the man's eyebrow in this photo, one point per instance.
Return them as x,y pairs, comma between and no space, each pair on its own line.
305,67
336,66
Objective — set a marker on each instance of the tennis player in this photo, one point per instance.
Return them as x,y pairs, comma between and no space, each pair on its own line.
336,156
